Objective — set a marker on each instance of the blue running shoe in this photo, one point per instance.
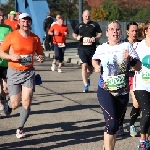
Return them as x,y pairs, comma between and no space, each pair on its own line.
86,88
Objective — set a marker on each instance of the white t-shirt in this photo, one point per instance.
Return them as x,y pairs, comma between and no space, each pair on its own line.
54,23
115,70
142,78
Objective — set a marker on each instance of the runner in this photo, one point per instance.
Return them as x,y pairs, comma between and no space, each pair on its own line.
87,33
132,33
4,30
11,21
113,84
46,25
21,73
60,33
141,87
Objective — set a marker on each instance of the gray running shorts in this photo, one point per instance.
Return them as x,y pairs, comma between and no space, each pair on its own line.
17,78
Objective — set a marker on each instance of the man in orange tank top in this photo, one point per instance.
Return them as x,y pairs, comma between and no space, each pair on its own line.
23,44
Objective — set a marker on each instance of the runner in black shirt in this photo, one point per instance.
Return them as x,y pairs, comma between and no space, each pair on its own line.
87,33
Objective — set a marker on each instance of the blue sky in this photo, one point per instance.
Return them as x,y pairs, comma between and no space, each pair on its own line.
4,1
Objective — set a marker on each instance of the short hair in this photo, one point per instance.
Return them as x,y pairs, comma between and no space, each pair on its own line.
145,26
131,23
115,21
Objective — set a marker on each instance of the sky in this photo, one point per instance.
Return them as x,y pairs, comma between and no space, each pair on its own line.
4,1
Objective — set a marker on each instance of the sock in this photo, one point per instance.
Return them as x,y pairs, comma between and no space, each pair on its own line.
142,141
135,112
24,114
9,104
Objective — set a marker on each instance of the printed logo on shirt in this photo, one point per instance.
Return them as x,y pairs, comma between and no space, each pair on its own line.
146,61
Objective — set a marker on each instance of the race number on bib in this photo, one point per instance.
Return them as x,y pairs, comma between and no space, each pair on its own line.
116,82
61,44
87,41
26,60
146,75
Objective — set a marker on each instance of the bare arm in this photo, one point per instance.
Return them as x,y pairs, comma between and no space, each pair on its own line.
4,55
99,35
95,64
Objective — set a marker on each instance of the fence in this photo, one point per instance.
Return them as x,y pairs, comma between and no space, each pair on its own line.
72,23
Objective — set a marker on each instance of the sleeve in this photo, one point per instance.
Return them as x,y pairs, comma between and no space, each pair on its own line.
51,28
98,29
133,53
6,43
39,50
96,56
76,30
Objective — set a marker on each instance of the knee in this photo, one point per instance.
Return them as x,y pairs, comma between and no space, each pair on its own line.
111,128
26,104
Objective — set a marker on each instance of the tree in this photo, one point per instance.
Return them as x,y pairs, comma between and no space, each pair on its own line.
98,14
9,6
66,8
112,10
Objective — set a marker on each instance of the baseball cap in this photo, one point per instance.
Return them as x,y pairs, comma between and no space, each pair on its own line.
12,12
24,15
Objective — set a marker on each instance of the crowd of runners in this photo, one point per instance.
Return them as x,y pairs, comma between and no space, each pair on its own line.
123,65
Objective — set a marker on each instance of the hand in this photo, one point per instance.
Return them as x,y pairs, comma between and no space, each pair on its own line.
56,32
15,57
79,37
40,58
92,39
65,33
97,68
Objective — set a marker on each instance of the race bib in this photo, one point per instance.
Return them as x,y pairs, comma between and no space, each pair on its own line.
26,60
116,82
87,41
61,44
146,75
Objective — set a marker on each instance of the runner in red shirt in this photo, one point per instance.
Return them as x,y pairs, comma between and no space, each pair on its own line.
59,32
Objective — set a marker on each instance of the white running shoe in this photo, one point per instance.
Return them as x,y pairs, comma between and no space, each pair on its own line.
1,105
59,70
20,134
53,67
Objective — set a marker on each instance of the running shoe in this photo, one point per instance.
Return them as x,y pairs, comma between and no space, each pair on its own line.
142,146
7,109
86,88
121,131
53,68
59,70
133,131
20,133
1,105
